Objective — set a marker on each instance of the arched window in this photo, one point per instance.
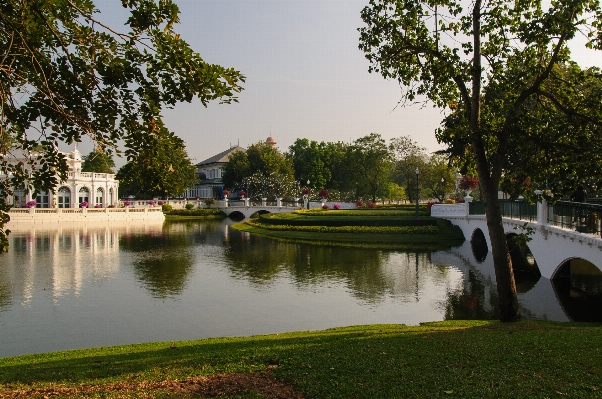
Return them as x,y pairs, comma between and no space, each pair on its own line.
99,196
42,200
64,197
84,195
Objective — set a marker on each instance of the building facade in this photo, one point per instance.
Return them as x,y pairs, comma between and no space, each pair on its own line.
96,189
209,174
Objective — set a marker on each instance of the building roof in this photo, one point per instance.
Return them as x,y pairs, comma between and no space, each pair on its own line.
221,157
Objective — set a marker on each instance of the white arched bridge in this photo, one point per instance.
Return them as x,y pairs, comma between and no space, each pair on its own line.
561,233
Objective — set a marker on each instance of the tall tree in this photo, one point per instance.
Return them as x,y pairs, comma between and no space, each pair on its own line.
310,161
373,161
408,156
490,60
98,161
64,74
160,169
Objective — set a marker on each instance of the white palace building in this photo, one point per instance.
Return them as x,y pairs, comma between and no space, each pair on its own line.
97,189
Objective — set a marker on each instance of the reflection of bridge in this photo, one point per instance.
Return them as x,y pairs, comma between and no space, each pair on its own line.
555,243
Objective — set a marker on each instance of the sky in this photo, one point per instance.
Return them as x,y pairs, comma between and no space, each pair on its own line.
305,77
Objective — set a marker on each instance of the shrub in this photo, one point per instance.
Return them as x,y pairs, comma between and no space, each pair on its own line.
111,206
430,204
337,206
83,204
166,208
127,203
160,203
97,206
325,206
31,204
323,193
226,193
305,191
189,206
467,183
449,201
360,204
151,203
372,205
209,201
242,194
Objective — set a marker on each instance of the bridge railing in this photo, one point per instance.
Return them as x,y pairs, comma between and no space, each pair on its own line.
583,217
521,210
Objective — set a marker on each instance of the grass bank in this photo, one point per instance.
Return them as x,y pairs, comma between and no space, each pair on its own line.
386,229
462,359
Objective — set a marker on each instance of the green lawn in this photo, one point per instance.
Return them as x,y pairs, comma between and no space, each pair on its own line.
462,359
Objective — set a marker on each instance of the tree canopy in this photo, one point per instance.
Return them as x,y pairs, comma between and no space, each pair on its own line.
161,169
64,74
98,162
260,170
490,62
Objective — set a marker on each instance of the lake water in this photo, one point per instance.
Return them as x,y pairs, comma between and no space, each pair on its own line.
81,286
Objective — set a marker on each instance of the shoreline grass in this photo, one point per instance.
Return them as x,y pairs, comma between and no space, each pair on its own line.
462,359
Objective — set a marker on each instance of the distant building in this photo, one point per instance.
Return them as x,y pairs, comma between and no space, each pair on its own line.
97,189
209,173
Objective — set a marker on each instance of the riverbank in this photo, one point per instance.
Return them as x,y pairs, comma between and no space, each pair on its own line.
465,359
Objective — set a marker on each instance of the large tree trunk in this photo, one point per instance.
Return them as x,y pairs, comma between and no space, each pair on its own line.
506,286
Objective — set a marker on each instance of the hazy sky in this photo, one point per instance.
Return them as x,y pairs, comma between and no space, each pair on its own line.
305,75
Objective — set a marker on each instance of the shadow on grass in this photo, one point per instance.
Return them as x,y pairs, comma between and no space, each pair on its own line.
464,358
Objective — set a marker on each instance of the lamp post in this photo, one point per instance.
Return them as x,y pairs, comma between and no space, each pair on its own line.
308,194
417,173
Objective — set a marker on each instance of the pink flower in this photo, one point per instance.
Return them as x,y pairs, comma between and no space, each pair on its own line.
337,206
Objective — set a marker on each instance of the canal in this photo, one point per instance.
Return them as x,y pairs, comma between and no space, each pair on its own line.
80,286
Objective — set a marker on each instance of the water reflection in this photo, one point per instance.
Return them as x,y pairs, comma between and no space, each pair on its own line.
92,285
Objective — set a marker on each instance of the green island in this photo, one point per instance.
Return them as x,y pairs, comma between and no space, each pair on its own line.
462,359
386,228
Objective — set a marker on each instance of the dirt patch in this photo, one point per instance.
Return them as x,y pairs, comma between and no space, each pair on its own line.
262,383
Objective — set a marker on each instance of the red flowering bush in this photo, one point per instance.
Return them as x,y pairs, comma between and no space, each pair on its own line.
242,194
467,183
325,206
372,205
337,206
226,192
430,204
323,193
305,191
360,204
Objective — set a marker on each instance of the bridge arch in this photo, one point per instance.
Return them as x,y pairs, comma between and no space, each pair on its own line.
478,245
259,212
577,284
236,215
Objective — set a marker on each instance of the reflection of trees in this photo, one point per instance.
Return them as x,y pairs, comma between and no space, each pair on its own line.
162,261
472,302
370,275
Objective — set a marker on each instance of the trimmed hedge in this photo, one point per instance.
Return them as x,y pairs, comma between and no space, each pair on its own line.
196,212
353,220
349,229
359,212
